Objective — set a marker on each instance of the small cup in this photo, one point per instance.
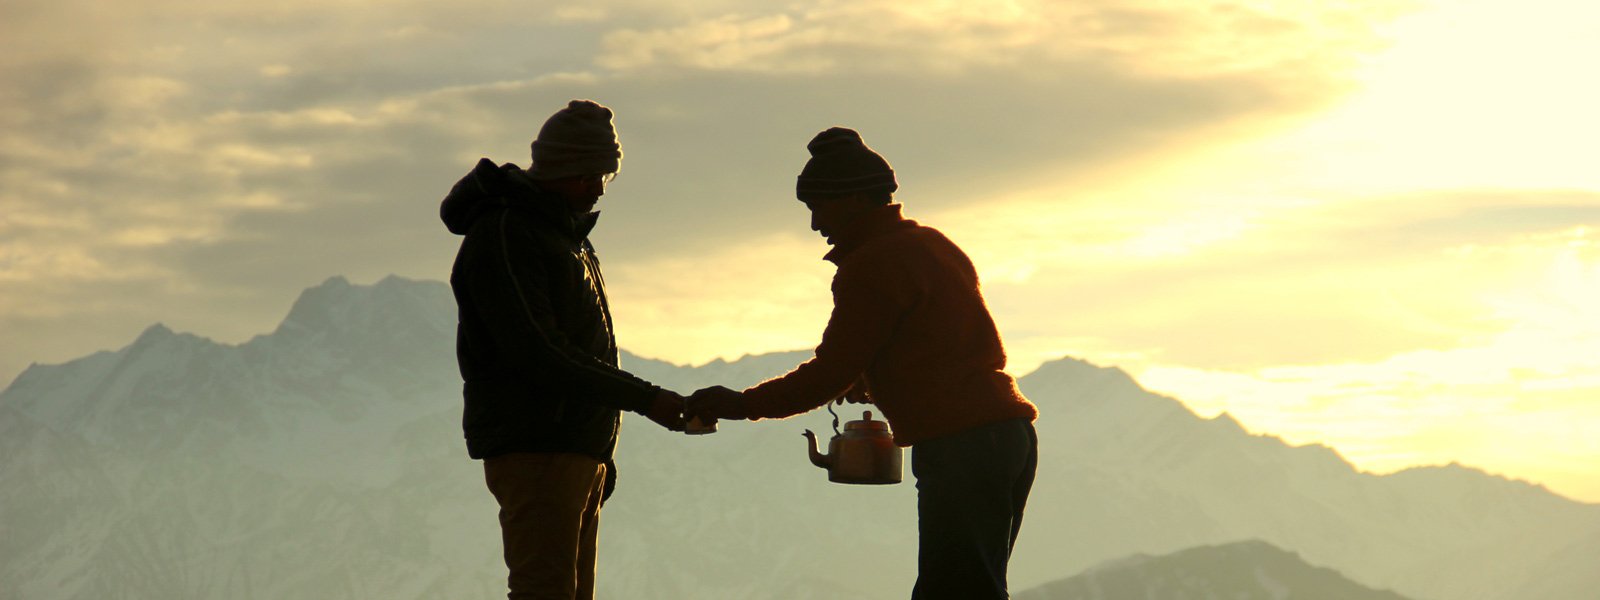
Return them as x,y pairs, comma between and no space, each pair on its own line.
696,426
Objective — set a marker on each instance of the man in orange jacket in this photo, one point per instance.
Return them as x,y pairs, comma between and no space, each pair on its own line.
910,331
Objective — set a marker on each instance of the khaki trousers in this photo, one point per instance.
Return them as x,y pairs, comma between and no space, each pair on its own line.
549,522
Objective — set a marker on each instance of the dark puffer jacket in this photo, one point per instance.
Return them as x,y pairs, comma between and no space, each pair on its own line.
534,343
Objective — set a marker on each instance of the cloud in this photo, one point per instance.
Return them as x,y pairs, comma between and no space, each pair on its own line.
200,155
1119,170
1198,40
1258,282
725,42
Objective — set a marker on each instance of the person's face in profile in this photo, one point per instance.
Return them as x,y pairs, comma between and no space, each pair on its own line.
581,192
830,215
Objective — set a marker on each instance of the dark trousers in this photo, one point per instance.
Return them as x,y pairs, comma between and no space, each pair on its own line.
971,489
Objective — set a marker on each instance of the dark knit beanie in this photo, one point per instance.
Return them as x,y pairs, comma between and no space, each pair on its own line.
842,164
577,140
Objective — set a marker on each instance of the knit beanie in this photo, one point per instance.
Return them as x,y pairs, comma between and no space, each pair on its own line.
842,164
577,140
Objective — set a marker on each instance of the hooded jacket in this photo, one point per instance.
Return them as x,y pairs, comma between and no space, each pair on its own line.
534,343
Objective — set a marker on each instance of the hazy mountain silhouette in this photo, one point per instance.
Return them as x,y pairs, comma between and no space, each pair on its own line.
1248,570
325,460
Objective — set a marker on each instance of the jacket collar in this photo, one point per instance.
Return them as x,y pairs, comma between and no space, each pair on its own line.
583,224
871,224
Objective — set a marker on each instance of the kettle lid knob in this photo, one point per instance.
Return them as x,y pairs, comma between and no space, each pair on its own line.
867,424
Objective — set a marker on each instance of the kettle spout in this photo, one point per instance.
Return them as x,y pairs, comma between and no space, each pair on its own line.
817,457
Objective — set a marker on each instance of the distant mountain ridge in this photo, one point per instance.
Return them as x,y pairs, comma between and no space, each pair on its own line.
325,460
1250,569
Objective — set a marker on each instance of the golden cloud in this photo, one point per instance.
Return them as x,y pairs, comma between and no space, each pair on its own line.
1193,39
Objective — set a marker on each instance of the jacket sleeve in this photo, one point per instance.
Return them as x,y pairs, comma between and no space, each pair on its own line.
868,304
512,295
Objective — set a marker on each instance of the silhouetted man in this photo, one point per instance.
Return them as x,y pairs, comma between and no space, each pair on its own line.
536,349
911,332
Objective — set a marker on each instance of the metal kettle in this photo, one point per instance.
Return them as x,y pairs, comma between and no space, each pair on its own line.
864,454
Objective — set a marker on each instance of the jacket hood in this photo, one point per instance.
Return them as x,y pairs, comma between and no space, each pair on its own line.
486,186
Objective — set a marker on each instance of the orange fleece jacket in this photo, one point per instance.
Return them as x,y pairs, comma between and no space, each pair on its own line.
908,321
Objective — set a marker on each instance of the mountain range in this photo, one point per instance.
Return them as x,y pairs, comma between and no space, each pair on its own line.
325,460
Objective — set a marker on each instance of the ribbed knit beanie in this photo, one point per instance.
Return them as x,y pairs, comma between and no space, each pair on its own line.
578,140
842,164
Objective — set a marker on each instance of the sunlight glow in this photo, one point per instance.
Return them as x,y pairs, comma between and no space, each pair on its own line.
768,295
1520,403
1443,108
1445,133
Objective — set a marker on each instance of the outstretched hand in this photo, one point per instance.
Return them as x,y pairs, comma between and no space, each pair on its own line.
666,409
715,402
859,393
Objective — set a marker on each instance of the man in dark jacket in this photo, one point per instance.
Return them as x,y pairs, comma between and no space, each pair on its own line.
543,392
911,333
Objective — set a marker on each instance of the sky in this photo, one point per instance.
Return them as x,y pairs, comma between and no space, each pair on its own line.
1373,225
